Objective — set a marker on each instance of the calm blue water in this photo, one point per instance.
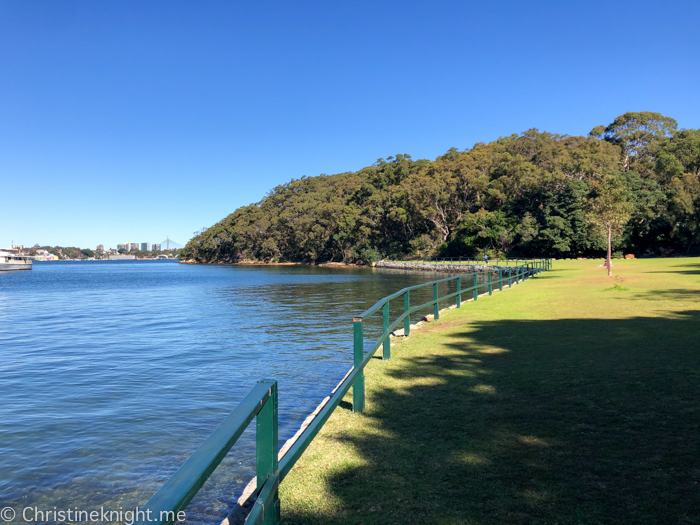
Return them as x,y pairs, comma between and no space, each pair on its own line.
113,373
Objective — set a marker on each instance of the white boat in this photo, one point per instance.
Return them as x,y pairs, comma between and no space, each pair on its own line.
14,261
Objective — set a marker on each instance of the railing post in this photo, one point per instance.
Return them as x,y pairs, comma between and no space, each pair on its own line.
406,308
436,307
476,288
459,295
500,280
490,285
267,446
385,324
358,387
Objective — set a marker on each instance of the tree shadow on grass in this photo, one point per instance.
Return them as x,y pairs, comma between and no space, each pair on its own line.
688,269
676,294
563,421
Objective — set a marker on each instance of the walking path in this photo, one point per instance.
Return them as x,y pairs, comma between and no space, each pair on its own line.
571,398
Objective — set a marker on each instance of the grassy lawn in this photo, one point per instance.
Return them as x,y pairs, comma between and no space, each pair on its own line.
560,400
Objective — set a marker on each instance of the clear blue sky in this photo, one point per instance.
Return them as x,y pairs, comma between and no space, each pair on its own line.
126,121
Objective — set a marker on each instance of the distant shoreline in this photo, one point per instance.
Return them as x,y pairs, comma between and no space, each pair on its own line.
102,260
263,263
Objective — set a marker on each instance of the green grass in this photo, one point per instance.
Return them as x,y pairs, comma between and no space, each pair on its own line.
550,402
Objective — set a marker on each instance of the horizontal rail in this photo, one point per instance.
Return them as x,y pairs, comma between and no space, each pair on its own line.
261,403
179,490
531,268
388,298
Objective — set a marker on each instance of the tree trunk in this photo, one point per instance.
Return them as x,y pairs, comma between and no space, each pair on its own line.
609,251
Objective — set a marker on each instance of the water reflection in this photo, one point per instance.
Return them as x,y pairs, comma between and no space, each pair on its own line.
113,373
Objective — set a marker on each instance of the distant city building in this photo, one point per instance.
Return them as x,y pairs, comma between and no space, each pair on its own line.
145,247
121,246
132,247
100,248
155,247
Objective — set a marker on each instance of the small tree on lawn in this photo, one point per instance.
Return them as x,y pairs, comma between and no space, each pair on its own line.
609,210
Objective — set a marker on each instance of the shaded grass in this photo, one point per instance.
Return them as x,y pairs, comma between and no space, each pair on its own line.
547,403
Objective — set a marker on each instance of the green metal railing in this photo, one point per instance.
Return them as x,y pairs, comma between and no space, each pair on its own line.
172,498
261,403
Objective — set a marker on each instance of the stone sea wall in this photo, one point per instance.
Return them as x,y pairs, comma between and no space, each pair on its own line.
444,267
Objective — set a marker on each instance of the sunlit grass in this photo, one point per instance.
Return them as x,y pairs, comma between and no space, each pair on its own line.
550,402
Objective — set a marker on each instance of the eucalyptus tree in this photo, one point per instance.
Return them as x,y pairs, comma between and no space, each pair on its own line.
635,132
533,193
609,210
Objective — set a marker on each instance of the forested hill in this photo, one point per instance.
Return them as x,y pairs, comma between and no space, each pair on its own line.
527,194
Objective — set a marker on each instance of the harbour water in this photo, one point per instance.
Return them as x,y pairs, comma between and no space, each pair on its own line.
112,373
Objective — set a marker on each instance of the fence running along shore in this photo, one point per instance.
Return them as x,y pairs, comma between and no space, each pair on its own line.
261,402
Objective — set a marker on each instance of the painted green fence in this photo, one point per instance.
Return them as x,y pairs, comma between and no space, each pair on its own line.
261,404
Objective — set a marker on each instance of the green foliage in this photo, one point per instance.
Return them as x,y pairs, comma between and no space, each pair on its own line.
369,255
636,133
525,195
618,286
609,207
609,210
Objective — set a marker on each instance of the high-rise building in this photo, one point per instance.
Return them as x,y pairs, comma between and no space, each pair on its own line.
145,247
155,247
121,247
100,248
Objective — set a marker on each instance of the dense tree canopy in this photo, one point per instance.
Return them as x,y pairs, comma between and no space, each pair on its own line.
528,194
